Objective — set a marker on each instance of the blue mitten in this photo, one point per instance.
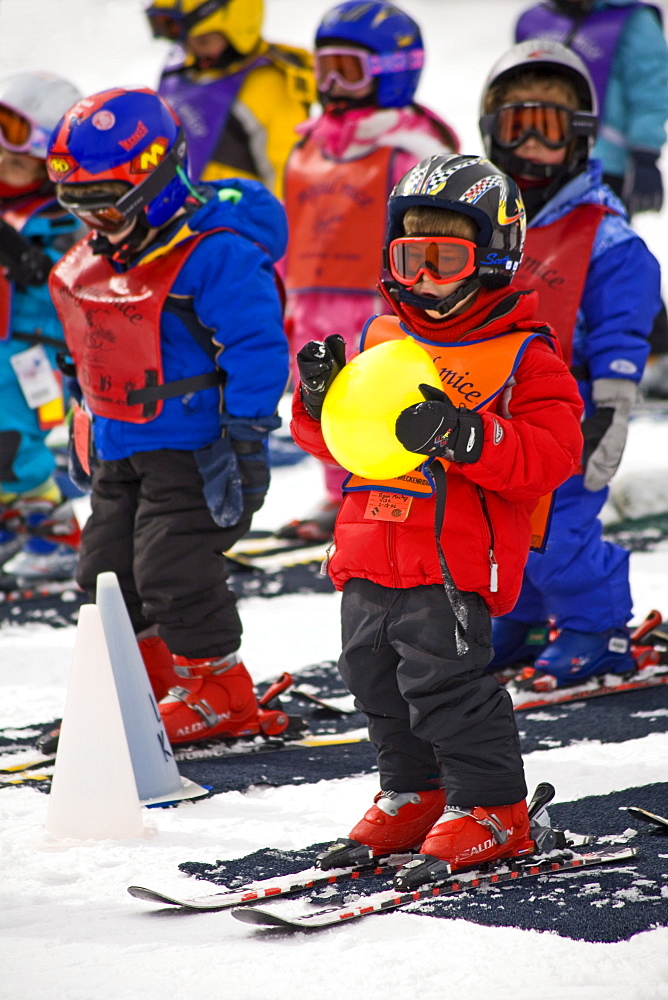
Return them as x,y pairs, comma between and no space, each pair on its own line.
218,467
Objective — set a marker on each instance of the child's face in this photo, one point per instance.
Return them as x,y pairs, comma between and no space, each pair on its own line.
208,48
20,170
533,149
425,286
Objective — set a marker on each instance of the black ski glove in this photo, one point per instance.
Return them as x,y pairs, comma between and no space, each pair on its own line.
25,263
643,184
438,429
319,363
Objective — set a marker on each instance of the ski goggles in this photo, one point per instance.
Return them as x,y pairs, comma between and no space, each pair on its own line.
97,206
165,26
20,134
442,259
354,68
552,124
175,27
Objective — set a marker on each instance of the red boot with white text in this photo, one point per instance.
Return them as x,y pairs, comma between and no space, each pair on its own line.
215,698
471,837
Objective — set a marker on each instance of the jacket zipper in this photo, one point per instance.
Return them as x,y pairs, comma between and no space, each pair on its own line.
493,565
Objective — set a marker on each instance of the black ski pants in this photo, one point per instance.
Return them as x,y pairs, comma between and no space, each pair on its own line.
151,526
434,717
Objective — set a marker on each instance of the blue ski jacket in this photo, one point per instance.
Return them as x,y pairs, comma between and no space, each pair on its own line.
226,286
25,460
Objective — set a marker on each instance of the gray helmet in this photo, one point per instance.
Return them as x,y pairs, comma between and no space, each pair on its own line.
543,56
43,98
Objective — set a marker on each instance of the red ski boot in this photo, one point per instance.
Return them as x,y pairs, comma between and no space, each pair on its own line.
217,699
159,664
467,837
396,822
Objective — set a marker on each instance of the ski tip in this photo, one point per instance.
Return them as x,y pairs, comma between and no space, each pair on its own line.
647,816
260,918
150,895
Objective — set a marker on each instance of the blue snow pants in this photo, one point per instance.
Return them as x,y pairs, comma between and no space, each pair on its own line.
580,580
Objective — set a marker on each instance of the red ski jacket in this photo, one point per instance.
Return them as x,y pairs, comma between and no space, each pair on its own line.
532,444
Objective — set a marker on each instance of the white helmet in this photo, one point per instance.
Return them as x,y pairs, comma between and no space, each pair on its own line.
40,99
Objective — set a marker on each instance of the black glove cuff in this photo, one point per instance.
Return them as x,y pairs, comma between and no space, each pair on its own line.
312,402
465,445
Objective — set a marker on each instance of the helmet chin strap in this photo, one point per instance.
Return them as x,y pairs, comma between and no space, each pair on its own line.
339,104
123,252
517,166
441,306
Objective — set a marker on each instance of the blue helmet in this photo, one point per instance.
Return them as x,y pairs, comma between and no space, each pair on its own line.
130,136
386,31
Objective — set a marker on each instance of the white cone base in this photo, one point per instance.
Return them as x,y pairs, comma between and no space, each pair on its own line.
189,790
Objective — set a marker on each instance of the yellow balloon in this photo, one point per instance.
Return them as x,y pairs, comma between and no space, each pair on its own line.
363,402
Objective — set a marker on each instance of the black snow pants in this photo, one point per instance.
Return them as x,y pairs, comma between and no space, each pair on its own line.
151,526
434,717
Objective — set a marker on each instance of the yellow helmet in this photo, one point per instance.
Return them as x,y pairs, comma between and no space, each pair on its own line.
240,21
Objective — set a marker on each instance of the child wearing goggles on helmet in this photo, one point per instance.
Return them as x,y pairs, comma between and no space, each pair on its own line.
238,96
173,322
599,287
421,574
38,531
369,134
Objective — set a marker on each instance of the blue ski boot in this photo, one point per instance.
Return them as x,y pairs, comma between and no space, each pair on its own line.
515,642
576,656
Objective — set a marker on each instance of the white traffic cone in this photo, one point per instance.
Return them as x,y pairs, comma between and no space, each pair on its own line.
156,774
93,793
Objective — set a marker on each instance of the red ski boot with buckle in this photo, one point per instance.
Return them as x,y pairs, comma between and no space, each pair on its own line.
396,822
217,699
471,837
159,664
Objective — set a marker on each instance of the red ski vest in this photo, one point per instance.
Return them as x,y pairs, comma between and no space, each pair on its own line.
555,263
16,217
337,211
473,373
112,328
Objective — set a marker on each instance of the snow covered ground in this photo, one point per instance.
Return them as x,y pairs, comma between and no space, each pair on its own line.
69,930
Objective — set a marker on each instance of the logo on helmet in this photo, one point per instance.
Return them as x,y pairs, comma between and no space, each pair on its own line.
59,167
132,141
103,120
150,157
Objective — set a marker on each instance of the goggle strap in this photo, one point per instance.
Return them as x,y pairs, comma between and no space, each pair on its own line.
386,62
138,197
584,123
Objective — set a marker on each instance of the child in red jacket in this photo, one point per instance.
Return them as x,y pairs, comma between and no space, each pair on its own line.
419,587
